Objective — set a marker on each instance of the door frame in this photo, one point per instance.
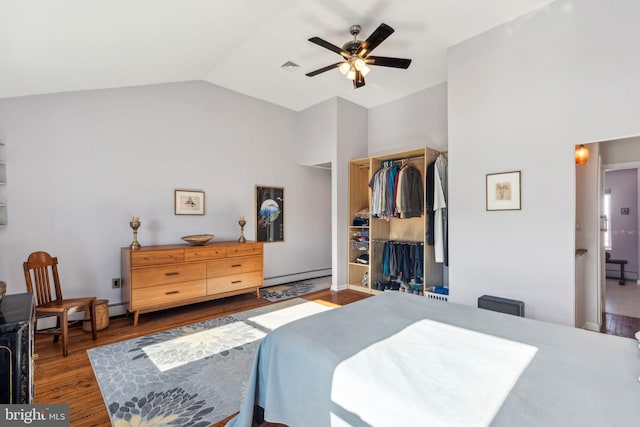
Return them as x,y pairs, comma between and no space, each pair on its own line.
602,277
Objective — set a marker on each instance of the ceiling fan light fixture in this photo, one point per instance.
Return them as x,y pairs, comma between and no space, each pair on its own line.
359,63
355,55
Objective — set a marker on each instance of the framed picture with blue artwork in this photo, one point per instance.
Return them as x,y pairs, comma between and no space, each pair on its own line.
269,214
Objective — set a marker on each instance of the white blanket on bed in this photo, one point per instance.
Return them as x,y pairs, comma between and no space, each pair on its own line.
466,377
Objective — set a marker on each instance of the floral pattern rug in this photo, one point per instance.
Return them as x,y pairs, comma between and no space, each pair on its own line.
294,289
195,375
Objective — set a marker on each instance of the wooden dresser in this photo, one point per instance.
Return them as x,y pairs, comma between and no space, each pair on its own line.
159,277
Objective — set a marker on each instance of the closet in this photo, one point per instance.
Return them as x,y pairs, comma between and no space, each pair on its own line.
376,230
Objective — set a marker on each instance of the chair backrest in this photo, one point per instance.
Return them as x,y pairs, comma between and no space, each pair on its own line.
40,273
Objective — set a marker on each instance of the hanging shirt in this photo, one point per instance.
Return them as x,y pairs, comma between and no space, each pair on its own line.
439,207
429,203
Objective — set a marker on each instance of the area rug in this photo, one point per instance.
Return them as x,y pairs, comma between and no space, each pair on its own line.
195,375
294,289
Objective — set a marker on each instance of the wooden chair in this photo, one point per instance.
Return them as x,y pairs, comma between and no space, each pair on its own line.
40,270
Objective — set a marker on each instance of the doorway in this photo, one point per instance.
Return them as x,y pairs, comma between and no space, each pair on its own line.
598,297
621,238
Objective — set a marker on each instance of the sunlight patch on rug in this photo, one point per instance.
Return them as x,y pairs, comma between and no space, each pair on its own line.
280,317
199,345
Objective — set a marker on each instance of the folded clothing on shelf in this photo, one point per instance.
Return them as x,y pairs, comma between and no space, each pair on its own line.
362,259
441,290
358,222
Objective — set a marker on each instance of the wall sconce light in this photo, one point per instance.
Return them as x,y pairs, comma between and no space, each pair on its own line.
582,155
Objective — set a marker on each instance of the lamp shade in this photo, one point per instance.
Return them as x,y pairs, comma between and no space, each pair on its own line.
582,155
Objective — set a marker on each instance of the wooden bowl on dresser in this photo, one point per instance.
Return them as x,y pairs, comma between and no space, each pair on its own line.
197,239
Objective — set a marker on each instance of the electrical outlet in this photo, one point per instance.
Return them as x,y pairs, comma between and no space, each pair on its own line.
115,283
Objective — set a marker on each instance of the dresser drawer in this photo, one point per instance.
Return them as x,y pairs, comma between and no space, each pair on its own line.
216,285
204,252
243,249
167,294
142,258
230,266
165,274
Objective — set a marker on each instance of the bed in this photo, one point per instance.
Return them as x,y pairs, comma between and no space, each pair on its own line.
402,360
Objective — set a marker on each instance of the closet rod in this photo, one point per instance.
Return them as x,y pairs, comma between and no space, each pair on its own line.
434,153
411,242
408,159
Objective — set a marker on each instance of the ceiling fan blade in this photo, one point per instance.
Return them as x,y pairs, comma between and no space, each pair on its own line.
378,36
385,61
322,70
330,46
359,80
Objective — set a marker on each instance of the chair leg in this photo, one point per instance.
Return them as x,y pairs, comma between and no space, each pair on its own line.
65,334
94,331
57,337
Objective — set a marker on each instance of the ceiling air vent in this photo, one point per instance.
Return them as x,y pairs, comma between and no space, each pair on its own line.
290,66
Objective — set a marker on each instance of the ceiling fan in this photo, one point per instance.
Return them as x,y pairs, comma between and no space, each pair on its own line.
356,55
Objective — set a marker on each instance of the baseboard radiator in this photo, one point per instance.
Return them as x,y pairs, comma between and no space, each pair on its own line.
502,305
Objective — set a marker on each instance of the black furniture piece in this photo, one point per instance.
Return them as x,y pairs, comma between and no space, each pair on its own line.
502,305
621,263
17,317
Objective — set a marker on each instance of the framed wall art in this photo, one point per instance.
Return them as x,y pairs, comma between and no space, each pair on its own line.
189,202
503,191
269,214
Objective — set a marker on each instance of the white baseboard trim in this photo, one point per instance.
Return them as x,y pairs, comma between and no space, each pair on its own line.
590,326
295,277
117,309
339,287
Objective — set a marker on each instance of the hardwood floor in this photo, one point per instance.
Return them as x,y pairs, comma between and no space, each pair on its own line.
70,380
623,326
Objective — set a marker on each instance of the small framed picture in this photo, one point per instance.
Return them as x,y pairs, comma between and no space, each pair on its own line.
269,214
503,191
189,202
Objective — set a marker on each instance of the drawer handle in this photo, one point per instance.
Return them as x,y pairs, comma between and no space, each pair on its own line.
237,281
172,292
236,265
173,273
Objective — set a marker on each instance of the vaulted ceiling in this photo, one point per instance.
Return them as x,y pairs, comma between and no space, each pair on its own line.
66,45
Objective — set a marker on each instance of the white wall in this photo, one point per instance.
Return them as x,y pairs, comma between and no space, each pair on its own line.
317,127
351,144
520,97
620,151
81,164
416,120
